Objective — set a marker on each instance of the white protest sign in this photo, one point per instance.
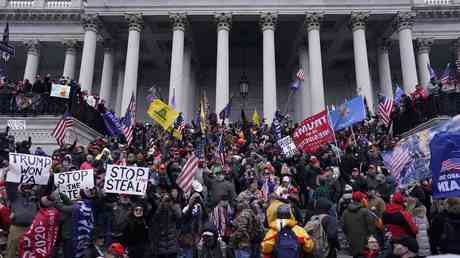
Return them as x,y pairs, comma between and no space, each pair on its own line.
70,182
126,180
60,91
29,169
17,124
287,146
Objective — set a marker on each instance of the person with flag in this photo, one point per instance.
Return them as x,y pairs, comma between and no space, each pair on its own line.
419,99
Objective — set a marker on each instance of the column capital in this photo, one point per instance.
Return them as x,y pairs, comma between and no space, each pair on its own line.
313,20
32,46
90,22
135,21
384,45
424,45
405,20
268,20
178,20
223,20
358,20
70,45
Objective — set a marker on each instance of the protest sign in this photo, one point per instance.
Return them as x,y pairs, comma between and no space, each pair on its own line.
29,169
126,180
17,124
60,91
287,146
70,182
313,132
445,164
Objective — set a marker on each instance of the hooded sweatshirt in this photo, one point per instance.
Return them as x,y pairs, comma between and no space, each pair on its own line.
399,221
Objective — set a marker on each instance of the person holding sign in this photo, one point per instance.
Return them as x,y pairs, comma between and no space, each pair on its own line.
23,209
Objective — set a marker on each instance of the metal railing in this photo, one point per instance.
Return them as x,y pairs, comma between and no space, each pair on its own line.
59,4
438,2
20,4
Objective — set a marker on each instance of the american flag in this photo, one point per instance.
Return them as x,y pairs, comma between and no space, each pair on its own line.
61,128
129,120
432,72
450,164
385,109
184,180
399,158
300,75
179,124
221,148
445,78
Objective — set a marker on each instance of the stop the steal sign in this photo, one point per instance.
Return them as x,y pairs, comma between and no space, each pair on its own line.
126,180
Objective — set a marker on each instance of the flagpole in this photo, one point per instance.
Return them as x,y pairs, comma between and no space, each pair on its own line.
333,132
287,101
353,134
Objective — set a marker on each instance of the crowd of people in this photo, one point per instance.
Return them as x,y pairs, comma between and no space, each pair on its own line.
248,200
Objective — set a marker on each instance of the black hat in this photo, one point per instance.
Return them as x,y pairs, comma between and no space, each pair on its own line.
283,212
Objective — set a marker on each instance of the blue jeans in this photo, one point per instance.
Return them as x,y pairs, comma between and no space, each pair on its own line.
242,253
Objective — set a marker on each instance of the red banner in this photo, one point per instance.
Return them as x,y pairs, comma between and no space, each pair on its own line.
313,132
38,241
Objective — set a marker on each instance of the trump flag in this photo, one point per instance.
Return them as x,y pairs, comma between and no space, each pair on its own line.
445,164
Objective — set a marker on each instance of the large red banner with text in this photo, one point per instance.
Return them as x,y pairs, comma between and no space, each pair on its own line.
313,132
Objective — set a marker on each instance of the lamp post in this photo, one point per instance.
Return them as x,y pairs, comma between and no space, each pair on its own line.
244,89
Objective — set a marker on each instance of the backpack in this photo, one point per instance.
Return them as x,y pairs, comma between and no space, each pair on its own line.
315,229
286,244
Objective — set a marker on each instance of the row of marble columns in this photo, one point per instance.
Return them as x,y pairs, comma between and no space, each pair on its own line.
312,99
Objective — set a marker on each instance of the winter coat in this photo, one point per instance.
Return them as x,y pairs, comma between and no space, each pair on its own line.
135,232
218,189
163,230
246,229
120,218
304,240
422,223
358,224
445,228
399,221
377,205
23,210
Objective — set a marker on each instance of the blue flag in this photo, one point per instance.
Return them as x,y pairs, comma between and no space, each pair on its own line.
445,164
398,94
349,113
112,123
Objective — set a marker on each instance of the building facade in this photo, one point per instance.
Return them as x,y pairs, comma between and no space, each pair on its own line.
184,49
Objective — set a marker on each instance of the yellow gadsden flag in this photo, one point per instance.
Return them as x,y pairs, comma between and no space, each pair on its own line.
256,118
162,113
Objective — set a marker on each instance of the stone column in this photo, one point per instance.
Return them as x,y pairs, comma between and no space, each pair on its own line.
107,74
363,79
185,97
33,58
404,22
304,94
312,25
70,58
224,22
88,56
179,21
386,85
135,23
268,23
423,60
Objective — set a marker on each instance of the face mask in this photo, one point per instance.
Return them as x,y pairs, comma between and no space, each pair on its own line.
138,212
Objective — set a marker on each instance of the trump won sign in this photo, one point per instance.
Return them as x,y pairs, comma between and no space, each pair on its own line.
29,169
126,180
313,132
